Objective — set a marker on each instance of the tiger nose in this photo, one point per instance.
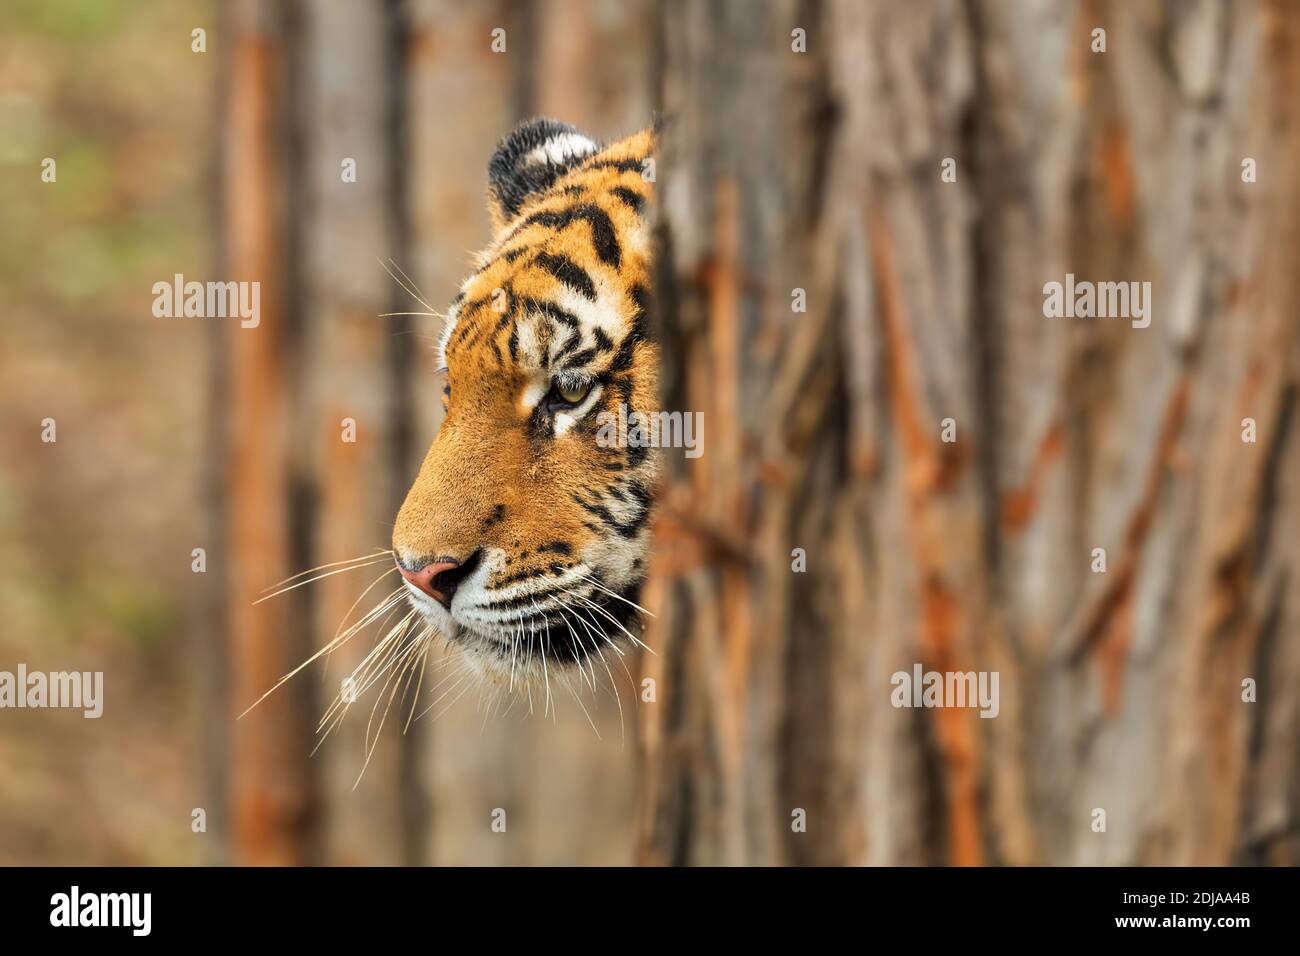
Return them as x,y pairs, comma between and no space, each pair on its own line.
434,579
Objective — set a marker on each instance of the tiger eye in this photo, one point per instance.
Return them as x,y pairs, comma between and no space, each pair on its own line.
573,394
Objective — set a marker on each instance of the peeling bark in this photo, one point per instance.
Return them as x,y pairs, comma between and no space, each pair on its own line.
1119,691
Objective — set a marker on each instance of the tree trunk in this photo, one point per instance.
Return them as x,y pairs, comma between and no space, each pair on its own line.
274,804
350,426
1120,691
320,437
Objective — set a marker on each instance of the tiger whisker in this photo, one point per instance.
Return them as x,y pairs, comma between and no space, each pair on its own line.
410,282
386,602
424,661
580,643
546,677
453,675
600,610
363,559
460,679
591,579
528,660
399,661
364,669
560,606
388,606
514,650
395,680
583,708
385,653
320,577
618,699
613,685
320,653
422,641
586,616
407,285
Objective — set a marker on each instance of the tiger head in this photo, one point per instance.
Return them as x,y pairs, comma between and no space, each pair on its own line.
523,539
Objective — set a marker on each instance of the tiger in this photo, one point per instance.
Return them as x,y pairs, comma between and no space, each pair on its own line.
523,539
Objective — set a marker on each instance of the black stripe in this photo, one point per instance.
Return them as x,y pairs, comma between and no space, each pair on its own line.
641,296
568,272
629,530
637,454
519,576
578,359
603,238
463,323
630,197
623,357
572,338
640,330
551,311
497,514
622,165
522,600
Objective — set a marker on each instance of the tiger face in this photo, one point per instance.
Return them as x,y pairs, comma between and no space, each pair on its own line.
523,538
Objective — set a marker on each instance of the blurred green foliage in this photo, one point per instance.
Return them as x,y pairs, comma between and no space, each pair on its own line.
96,529
66,20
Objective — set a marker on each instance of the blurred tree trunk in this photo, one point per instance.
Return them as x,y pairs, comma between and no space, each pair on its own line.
416,810
353,423
319,437
1119,691
208,634
275,800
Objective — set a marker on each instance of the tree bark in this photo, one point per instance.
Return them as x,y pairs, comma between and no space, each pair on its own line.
1119,691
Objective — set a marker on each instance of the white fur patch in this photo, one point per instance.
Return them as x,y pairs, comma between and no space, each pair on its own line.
432,611
533,393
448,328
527,342
637,238
615,556
560,148
602,314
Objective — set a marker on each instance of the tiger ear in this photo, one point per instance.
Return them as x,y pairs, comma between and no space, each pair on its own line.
529,161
